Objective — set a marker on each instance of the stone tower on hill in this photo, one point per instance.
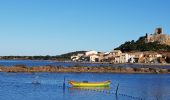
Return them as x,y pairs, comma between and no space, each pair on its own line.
158,36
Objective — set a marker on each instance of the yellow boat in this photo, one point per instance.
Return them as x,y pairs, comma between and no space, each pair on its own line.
90,84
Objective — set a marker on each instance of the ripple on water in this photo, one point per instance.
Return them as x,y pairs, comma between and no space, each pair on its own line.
18,86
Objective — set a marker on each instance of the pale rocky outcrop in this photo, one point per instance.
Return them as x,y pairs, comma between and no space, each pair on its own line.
158,36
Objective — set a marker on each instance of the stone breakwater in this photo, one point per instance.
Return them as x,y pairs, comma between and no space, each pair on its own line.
80,69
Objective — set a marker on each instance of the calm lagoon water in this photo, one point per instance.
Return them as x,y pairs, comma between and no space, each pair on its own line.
30,63
18,86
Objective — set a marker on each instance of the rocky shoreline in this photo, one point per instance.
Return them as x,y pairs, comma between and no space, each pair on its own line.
83,69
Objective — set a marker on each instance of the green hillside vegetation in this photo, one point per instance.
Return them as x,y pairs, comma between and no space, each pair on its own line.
68,55
62,57
140,45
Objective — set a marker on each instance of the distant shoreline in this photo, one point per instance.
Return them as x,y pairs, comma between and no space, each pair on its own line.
149,64
82,69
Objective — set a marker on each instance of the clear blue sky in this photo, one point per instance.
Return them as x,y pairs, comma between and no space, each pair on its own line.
52,27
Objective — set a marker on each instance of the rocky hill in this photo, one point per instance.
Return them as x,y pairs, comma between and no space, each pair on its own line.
159,37
153,42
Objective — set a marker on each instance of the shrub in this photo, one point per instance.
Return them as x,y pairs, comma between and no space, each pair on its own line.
168,70
136,69
20,65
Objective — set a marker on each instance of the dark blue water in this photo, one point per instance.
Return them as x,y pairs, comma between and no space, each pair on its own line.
45,62
30,63
18,86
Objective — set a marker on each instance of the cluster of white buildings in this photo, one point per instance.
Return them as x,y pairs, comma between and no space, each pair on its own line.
117,56
89,56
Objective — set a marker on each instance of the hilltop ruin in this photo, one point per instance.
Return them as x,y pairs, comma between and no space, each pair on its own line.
158,36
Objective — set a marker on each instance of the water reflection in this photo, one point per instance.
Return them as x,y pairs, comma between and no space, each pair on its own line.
89,88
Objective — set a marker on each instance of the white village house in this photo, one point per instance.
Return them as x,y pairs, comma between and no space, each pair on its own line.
91,53
93,58
76,57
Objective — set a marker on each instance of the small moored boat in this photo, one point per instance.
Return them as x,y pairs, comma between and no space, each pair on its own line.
90,84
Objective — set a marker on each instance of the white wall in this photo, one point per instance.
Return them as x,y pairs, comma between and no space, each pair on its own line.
91,53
